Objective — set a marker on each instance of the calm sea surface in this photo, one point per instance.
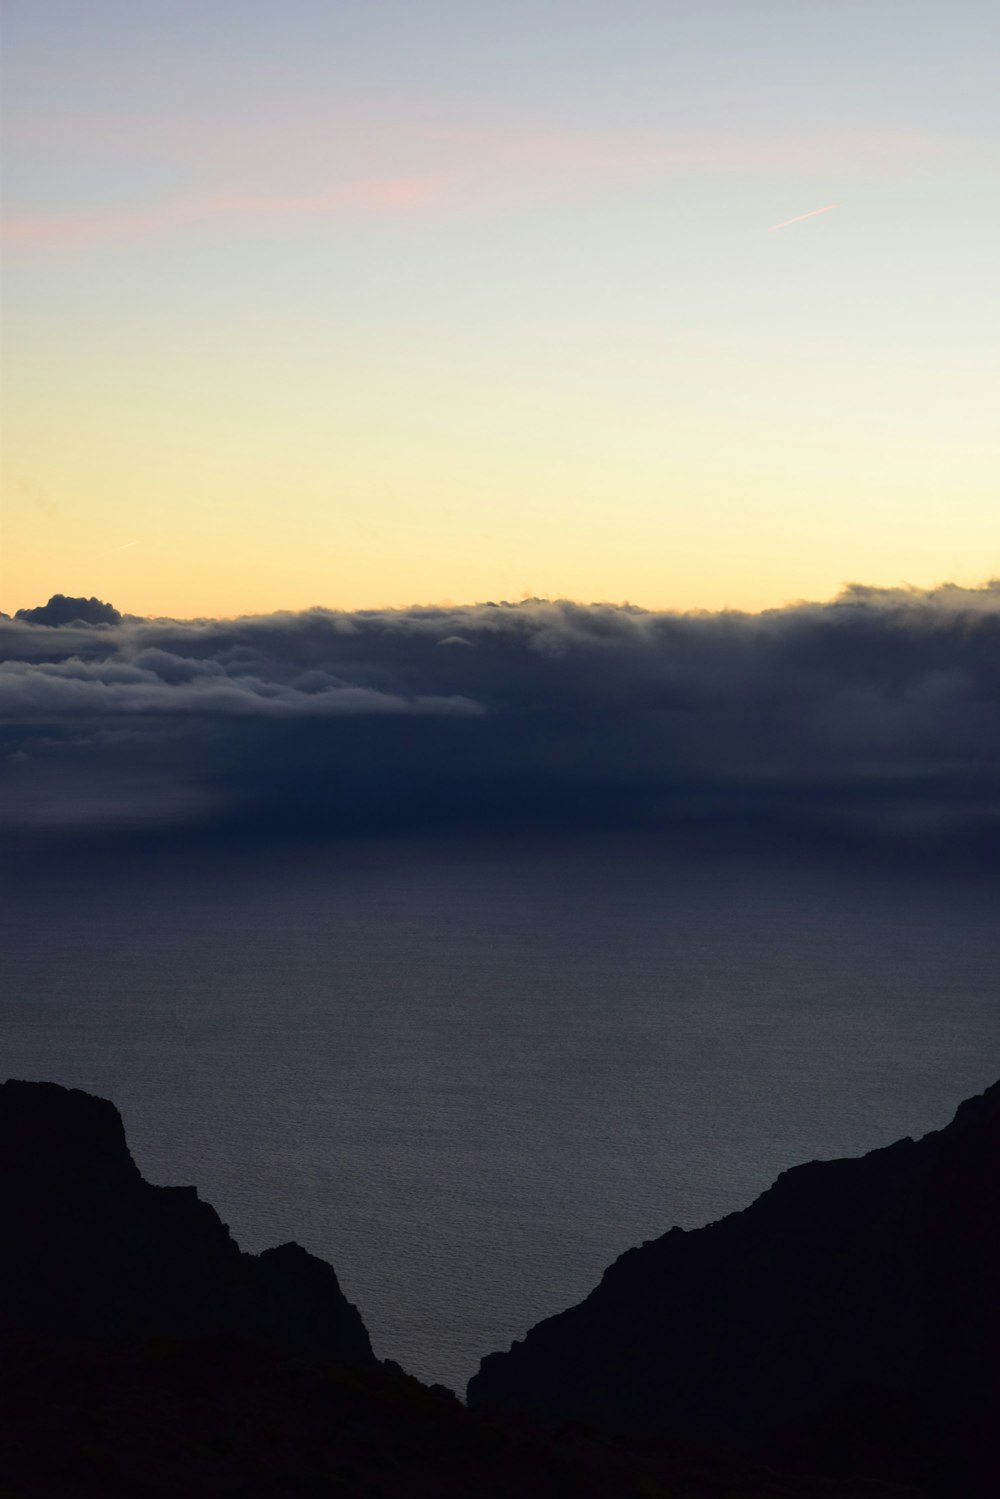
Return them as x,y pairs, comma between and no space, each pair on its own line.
470,1079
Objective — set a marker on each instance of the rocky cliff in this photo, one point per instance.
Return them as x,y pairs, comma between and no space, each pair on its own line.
849,1318
90,1253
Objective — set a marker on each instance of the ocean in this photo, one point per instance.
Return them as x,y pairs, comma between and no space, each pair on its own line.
471,1075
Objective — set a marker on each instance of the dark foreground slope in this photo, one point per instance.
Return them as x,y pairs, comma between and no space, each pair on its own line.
219,1420
143,1356
849,1318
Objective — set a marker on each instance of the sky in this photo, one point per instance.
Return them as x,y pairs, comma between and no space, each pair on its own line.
368,306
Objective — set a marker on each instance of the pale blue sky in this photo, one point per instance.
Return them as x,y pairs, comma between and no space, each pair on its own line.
372,266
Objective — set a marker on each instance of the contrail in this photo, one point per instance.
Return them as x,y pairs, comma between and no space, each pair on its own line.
800,216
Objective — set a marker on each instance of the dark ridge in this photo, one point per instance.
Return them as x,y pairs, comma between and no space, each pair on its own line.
848,1319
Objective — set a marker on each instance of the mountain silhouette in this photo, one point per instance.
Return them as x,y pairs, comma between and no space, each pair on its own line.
838,1339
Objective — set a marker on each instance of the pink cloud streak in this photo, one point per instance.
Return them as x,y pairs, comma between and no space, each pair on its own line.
115,226
407,169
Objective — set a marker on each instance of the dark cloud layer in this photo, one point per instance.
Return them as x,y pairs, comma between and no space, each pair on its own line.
877,714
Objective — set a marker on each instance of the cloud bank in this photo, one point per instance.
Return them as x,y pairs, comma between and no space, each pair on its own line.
875,715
